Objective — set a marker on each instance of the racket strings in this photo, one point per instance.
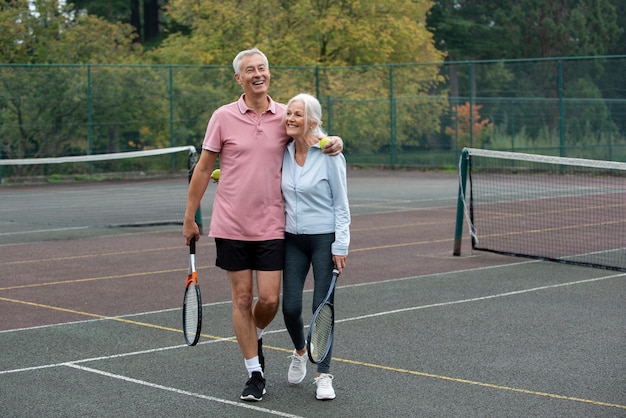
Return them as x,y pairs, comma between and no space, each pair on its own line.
321,332
191,312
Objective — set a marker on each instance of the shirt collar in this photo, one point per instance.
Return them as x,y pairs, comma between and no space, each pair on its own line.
243,107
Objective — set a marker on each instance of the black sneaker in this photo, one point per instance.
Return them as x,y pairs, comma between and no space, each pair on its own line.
255,388
260,354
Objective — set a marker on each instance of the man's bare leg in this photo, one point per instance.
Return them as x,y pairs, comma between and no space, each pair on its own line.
268,285
243,321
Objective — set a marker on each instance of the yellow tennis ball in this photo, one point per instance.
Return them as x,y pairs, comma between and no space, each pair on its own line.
323,142
215,175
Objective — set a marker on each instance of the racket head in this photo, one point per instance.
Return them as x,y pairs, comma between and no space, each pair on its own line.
321,333
192,302
322,328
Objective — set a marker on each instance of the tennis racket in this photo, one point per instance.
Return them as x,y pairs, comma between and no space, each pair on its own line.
322,326
192,302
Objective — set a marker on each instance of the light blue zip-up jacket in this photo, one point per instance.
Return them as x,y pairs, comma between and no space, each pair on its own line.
317,201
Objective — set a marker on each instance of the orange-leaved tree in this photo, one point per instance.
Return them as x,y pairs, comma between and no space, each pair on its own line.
460,126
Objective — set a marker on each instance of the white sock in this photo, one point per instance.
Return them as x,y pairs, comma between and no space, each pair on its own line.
253,365
259,333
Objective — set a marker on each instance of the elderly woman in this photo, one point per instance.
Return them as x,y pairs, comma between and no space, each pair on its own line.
317,233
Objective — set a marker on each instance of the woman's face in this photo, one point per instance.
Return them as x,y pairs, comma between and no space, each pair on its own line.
294,119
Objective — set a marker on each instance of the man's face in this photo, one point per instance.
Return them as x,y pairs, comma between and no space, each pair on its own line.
254,76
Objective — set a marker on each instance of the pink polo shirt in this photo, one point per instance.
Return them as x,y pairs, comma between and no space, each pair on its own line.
248,202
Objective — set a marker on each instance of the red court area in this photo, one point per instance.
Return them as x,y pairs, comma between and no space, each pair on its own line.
402,225
51,282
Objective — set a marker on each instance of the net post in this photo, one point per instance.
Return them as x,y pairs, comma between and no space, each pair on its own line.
460,206
1,179
198,219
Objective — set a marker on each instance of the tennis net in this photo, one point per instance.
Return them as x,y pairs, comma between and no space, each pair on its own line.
138,188
550,208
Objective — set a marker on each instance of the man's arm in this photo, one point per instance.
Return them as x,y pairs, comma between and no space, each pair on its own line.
334,146
197,187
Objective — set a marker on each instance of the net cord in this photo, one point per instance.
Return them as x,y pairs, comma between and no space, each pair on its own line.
97,157
535,158
547,159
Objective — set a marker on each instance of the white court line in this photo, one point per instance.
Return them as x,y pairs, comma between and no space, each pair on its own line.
39,231
85,321
87,360
182,392
228,302
480,298
306,291
74,364
356,318
362,201
115,356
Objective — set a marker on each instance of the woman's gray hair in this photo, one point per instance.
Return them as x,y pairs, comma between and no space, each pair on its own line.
312,113
247,52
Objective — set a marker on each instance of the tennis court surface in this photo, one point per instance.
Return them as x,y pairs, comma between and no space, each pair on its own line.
90,319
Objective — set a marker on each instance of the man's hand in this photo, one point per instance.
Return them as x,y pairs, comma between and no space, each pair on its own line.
334,146
190,230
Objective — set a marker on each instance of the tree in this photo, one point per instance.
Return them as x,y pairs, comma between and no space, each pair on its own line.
301,32
466,129
519,29
560,28
43,109
619,47
615,87
492,29
467,29
144,15
47,32
327,34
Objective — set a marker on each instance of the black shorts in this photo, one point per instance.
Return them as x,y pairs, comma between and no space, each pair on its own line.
233,255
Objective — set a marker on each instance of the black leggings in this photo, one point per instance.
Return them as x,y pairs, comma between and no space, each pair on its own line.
302,252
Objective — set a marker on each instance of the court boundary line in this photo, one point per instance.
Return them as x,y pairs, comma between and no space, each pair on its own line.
59,228
483,384
104,317
481,298
117,317
354,362
182,392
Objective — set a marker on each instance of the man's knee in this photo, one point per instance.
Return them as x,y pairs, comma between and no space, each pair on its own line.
269,303
243,301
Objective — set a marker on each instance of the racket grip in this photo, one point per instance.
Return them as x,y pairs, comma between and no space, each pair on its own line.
192,246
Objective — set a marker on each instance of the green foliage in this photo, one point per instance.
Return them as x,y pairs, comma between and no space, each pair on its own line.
549,28
494,29
386,114
333,32
470,29
36,124
43,108
111,10
45,31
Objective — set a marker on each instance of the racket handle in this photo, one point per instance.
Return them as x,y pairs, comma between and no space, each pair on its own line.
192,246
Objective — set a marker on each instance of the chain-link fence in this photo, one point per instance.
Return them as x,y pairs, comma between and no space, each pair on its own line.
411,115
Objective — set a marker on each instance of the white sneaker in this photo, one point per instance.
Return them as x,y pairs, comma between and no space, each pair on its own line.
297,368
325,389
